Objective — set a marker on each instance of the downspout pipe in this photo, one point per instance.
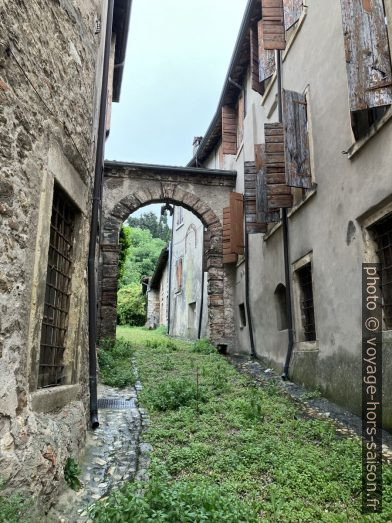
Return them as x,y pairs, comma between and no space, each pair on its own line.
201,299
285,223
247,296
170,278
94,229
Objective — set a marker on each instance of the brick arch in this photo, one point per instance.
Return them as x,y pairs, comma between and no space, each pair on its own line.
118,208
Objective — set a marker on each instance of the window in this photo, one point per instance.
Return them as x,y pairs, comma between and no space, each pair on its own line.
58,290
382,234
241,308
281,307
368,63
179,216
304,275
179,264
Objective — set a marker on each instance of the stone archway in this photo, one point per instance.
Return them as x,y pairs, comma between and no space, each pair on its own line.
127,187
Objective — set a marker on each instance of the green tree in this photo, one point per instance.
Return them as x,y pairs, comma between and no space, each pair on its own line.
149,221
131,306
125,243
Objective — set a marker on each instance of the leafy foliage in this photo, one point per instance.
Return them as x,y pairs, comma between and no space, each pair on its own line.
71,474
149,221
115,364
142,255
164,500
173,394
252,444
203,346
13,507
131,306
125,243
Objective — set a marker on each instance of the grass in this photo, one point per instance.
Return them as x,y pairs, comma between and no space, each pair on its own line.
14,508
228,451
115,367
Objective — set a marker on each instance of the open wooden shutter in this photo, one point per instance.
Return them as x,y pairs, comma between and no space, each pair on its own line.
278,192
273,25
296,140
253,223
179,273
267,62
367,54
229,130
292,12
233,228
254,62
264,214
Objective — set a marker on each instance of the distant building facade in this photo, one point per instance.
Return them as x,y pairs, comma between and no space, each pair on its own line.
51,76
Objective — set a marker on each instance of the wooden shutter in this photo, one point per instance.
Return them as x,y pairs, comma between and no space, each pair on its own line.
278,192
229,130
240,119
252,222
264,214
273,25
233,228
179,273
296,140
292,12
367,54
254,62
267,62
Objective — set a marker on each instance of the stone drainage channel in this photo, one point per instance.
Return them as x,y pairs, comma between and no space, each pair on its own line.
113,454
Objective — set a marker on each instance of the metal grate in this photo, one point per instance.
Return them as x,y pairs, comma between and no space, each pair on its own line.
115,403
307,306
382,232
58,285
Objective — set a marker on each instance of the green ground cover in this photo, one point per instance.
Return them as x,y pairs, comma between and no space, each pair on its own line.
225,450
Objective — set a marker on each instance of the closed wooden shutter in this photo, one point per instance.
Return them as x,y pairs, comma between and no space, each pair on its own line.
179,273
367,54
273,25
233,228
267,62
229,130
296,140
292,12
278,192
254,62
264,214
253,224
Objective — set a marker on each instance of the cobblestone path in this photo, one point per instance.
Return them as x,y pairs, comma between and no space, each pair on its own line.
113,453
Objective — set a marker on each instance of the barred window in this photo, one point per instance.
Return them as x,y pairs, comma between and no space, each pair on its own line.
306,300
382,234
57,294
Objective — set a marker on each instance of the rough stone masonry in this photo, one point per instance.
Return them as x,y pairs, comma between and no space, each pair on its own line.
50,78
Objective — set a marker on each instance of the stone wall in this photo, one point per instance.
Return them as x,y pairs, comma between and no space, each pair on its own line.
50,77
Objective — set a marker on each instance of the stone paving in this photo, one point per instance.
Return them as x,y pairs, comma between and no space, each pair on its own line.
113,454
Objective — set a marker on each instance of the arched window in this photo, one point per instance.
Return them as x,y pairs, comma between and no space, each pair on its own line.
281,307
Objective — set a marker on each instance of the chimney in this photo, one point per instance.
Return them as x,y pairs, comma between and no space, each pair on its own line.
196,142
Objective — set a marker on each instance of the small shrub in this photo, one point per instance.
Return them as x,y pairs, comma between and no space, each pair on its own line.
72,473
171,346
164,500
203,347
13,507
311,395
173,394
251,407
115,364
131,306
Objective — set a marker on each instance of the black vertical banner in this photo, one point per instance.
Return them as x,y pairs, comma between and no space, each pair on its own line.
371,389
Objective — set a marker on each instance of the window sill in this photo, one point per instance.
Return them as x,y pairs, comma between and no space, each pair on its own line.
293,210
54,398
306,346
375,128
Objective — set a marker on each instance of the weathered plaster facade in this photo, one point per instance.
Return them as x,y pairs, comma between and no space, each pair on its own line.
131,186
328,225
51,58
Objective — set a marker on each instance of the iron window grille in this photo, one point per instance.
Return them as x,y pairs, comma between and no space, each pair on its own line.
382,234
307,304
57,294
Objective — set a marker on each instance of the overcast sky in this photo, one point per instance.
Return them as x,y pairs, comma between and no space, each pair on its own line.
177,59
